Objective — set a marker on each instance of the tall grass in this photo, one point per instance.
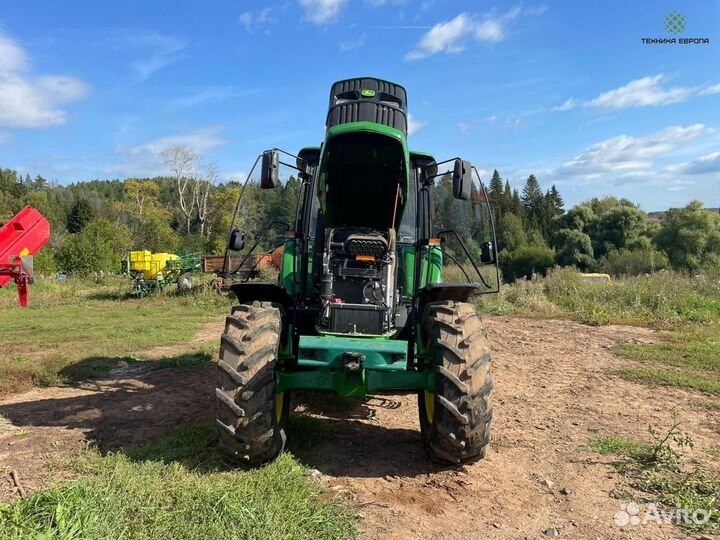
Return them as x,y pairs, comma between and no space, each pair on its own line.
662,299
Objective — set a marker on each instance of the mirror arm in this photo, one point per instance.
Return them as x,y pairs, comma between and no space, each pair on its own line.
297,158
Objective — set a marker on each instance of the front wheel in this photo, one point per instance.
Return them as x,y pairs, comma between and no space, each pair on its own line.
455,419
251,416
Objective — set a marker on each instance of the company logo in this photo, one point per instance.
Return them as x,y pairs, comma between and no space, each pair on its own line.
675,23
368,93
635,515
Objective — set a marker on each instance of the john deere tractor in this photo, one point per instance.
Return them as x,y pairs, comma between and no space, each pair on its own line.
362,303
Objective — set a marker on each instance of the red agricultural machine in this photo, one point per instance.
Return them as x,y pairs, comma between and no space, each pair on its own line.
20,239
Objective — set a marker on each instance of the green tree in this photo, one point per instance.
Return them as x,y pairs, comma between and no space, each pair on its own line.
573,248
79,216
690,236
556,200
99,247
496,196
617,228
532,198
511,235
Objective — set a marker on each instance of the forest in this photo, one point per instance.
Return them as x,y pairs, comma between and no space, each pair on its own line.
95,223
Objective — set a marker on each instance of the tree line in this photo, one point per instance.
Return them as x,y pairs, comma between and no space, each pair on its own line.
614,235
95,223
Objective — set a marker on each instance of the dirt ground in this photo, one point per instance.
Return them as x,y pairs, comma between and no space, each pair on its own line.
556,389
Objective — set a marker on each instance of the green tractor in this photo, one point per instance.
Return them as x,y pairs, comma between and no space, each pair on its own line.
362,303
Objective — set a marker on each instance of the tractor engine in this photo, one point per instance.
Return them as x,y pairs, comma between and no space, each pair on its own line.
358,285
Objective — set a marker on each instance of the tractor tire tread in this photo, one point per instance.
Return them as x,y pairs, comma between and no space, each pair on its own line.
462,418
249,433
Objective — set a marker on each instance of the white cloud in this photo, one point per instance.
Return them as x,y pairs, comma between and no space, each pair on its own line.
246,20
645,92
568,105
451,36
144,159
710,90
30,101
443,37
251,21
490,30
415,125
625,154
703,165
352,44
199,141
464,127
322,12
163,51
12,56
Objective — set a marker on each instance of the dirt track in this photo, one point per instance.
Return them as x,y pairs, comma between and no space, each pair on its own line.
556,389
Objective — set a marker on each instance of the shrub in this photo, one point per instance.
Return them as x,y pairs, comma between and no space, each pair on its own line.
99,247
527,261
625,262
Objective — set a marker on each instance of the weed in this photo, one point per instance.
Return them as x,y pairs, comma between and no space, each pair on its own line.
655,468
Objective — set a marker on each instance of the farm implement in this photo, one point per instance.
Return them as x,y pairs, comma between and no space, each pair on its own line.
378,268
20,239
156,271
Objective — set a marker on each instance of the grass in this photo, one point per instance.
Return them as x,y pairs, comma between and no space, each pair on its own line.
664,377
655,469
710,405
177,488
69,323
660,300
688,358
685,308
617,446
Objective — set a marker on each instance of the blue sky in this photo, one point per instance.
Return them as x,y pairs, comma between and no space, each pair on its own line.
562,89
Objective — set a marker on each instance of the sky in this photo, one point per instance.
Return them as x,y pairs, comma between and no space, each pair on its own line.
565,89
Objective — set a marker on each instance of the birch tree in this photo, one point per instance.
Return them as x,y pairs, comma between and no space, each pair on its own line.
184,164
203,185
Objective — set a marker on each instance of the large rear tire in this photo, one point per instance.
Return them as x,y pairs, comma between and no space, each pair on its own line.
455,420
250,415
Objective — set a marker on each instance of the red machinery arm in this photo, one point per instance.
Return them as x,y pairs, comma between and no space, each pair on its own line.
23,236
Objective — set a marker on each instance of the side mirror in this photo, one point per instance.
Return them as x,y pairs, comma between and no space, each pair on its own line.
488,255
270,173
237,240
462,179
